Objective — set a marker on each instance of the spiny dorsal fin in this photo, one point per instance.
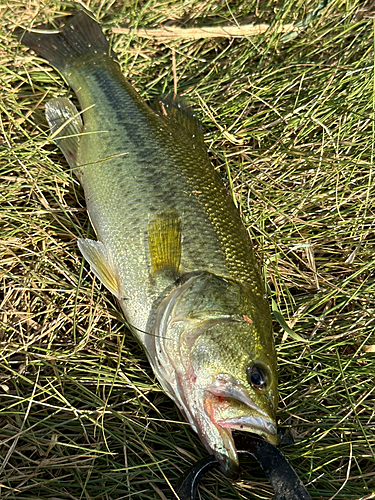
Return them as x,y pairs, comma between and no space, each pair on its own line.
66,125
164,240
176,109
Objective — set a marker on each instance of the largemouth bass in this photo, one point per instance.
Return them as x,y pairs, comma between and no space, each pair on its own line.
170,243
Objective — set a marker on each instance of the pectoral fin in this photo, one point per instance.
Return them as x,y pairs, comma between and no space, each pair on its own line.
66,126
164,239
101,264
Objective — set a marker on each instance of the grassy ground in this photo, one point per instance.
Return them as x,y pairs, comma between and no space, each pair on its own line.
290,126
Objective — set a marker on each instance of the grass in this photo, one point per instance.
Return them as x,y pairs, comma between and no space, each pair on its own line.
290,126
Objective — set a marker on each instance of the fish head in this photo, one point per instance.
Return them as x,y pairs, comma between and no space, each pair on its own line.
237,380
214,355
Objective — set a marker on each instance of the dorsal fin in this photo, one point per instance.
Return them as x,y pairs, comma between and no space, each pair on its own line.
175,109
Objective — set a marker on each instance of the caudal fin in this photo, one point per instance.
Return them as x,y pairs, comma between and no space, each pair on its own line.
81,36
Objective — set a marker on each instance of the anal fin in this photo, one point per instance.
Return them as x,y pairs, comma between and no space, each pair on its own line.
101,264
66,126
164,240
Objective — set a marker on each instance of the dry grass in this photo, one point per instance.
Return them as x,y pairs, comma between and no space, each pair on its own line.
290,126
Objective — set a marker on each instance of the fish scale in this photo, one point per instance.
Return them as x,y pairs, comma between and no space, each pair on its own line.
200,238
171,245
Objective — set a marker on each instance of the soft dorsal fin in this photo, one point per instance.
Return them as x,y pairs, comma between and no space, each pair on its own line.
176,109
66,126
164,240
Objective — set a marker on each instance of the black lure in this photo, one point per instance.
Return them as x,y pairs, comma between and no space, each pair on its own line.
284,480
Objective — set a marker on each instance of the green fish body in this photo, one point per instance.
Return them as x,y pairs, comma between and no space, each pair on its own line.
170,243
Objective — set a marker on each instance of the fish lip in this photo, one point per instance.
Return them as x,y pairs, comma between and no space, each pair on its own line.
265,428
226,387
257,421
229,462
238,394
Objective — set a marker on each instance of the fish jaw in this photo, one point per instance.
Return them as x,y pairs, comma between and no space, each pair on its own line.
214,417
229,414
231,406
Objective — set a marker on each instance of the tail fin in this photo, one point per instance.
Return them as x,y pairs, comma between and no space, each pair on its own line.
80,36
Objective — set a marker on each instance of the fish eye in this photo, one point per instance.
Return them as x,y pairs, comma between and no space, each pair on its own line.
256,377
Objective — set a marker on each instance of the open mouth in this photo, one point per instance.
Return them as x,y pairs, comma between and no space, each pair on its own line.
233,414
229,414
257,425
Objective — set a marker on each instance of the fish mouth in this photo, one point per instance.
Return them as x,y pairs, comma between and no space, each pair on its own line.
229,414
